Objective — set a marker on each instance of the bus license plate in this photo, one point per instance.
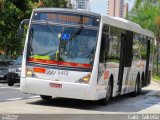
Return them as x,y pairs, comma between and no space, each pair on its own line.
54,85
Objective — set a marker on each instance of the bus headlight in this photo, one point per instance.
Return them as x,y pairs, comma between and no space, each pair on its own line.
84,79
29,73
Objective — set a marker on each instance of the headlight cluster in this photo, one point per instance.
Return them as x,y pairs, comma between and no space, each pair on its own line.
85,79
29,73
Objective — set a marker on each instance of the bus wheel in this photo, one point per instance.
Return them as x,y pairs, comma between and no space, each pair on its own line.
44,97
139,87
135,93
108,97
10,83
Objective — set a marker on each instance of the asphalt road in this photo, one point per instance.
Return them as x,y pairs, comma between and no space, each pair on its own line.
12,93
28,106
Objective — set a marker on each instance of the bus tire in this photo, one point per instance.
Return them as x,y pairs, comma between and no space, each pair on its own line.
135,93
44,97
109,91
139,87
10,82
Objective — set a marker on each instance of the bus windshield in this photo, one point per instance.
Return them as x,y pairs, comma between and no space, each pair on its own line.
62,45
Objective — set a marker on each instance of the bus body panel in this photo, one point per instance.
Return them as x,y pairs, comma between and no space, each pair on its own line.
68,90
59,74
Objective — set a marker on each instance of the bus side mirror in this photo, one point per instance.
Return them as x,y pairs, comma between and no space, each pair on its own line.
21,28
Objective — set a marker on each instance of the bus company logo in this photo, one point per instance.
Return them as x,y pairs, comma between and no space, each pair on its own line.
51,72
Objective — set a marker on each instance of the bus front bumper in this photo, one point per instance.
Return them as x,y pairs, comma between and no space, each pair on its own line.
67,90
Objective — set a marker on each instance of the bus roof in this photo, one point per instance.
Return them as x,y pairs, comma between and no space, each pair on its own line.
66,11
127,25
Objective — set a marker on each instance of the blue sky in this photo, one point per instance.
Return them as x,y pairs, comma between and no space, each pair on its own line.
100,6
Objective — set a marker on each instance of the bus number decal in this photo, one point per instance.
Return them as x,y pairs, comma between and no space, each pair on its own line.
62,72
58,72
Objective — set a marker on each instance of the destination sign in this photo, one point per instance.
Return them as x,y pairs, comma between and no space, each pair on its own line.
67,18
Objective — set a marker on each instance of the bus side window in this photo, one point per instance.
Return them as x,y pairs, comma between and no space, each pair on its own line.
104,47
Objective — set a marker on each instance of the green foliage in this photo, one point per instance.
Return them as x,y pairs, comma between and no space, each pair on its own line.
156,78
55,3
10,17
11,14
144,13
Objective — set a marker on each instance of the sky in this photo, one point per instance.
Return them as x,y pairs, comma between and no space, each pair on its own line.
100,6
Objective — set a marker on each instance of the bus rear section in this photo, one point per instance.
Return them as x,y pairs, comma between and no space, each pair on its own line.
59,54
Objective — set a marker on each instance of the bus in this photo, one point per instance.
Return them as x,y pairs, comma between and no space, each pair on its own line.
83,55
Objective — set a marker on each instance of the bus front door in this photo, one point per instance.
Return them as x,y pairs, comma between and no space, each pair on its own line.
126,56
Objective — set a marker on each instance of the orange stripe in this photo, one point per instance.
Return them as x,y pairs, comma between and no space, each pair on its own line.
39,70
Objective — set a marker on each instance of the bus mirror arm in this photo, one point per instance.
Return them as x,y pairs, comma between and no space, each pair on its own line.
21,28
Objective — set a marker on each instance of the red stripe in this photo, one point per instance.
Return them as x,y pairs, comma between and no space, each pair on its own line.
42,61
70,64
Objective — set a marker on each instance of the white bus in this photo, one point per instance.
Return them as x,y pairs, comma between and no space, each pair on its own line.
83,55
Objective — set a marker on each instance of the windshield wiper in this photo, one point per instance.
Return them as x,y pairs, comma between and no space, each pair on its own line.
78,32
49,26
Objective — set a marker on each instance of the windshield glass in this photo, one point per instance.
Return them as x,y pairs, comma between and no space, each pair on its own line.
78,45
18,61
61,45
44,42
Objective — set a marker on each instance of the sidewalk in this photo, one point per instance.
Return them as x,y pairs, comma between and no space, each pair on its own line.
158,93
155,86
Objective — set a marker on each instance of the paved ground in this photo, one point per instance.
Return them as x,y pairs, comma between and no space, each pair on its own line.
13,93
148,102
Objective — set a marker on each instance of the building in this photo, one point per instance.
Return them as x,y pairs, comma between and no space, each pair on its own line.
80,4
115,8
125,12
68,3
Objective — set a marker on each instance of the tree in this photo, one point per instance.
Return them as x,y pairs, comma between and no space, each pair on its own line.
55,3
11,14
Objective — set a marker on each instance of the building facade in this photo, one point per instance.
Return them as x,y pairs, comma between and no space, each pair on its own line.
80,4
125,12
115,8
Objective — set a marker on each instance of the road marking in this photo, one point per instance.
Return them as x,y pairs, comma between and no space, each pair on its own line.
9,88
34,97
14,99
